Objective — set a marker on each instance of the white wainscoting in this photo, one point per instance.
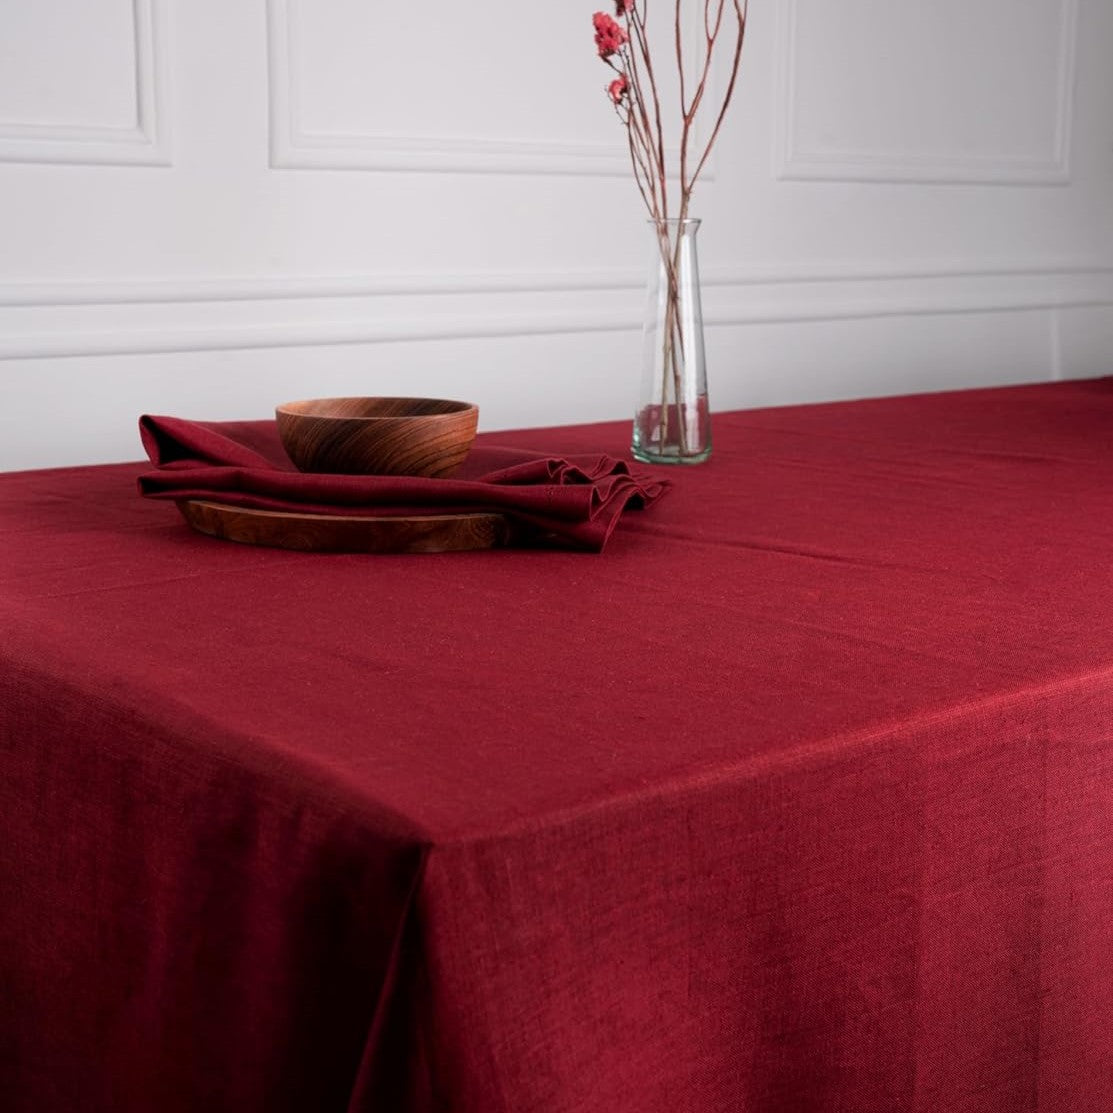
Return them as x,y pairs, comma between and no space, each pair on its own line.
961,92
358,199
84,81
356,78
50,321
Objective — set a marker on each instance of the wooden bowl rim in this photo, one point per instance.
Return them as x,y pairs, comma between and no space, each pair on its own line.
460,408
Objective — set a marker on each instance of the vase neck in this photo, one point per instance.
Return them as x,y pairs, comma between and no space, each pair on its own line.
689,224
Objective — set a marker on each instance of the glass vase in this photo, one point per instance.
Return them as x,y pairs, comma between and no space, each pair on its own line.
673,420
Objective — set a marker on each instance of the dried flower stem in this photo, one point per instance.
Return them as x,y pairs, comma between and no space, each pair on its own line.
640,111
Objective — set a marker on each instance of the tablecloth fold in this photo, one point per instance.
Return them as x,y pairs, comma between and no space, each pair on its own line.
573,500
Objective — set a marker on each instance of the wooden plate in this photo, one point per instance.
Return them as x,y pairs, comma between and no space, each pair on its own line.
327,533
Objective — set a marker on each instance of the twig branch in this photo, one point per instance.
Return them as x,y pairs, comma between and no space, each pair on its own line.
642,118
740,11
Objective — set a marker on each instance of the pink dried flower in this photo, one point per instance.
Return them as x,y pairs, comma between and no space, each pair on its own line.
609,36
621,7
617,89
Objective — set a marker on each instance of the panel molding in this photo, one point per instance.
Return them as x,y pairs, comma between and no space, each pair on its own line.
477,306
92,292
292,147
793,160
147,143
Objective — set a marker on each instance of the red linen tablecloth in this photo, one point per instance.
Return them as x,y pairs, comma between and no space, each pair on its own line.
797,798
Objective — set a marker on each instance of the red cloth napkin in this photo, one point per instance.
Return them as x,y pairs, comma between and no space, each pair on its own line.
576,500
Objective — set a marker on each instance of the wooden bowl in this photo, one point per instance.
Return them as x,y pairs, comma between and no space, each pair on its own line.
378,436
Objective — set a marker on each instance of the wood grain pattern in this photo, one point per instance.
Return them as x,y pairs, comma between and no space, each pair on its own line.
378,436
326,533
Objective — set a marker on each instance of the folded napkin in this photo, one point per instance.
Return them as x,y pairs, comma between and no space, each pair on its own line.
575,500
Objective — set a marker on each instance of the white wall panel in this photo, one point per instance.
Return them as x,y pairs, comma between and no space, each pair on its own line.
82,81
953,91
368,85
1084,342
